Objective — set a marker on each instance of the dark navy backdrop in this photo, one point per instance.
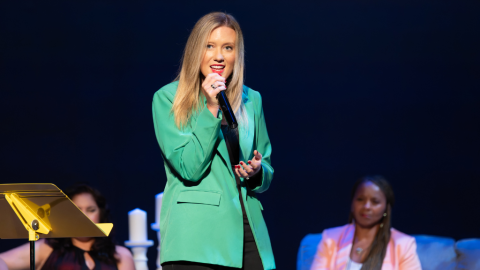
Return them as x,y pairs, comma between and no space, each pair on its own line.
349,88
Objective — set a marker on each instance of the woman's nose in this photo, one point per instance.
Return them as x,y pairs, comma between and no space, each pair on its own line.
218,55
367,205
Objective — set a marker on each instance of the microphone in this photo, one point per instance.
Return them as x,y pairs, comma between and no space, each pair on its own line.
227,110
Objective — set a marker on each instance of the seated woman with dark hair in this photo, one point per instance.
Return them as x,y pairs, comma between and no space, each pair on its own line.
75,253
368,242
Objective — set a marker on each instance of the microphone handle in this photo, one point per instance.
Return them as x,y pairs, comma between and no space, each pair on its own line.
227,110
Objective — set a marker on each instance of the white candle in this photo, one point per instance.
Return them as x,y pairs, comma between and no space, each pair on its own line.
158,207
137,225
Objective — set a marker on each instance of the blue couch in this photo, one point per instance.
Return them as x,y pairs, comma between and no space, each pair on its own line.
435,253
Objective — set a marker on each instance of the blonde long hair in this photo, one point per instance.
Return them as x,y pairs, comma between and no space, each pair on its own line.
189,96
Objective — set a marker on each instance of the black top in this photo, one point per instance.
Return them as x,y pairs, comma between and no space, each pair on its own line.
73,259
233,146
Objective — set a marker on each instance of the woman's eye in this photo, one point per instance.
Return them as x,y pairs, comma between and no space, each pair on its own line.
209,46
228,48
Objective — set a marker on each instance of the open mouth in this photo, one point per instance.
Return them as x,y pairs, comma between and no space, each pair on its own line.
218,69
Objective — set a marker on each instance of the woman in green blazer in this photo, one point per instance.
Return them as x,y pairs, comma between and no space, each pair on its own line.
211,217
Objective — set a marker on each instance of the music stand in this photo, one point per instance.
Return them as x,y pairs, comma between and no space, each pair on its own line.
37,211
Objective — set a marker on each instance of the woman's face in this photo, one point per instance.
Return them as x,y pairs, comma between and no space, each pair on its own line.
368,205
87,204
220,52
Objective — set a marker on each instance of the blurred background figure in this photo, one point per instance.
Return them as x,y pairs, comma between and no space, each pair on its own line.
75,253
368,241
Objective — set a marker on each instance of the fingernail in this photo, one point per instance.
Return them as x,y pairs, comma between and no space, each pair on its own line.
249,162
241,162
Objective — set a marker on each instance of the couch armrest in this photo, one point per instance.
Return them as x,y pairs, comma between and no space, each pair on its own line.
307,250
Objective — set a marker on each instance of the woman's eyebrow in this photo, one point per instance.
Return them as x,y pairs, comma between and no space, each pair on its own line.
226,43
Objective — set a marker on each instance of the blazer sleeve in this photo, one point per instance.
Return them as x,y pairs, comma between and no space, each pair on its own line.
188,152
323,256
263,146
410,260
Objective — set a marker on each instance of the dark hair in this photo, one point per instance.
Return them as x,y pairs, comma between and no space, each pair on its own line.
376,255
104,247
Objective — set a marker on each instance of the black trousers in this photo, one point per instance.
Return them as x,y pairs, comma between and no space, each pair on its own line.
251,257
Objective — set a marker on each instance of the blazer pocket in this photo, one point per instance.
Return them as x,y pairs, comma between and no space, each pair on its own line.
200,197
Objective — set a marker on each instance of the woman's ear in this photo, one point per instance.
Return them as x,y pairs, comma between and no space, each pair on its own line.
387,207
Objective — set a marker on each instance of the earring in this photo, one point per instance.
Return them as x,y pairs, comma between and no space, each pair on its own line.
381,224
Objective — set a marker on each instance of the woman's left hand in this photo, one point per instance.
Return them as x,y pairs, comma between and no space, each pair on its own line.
253,167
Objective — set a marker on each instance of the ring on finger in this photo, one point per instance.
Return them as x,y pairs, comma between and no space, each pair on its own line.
213,86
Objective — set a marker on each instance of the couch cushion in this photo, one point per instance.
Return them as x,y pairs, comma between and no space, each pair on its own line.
307,250
468,251
436,253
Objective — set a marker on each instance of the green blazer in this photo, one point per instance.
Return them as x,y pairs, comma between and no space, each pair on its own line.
201,218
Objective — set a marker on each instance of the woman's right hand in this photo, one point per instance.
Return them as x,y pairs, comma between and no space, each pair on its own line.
211,93
3,265
19,257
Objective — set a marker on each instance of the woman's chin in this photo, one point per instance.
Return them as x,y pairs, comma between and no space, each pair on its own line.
366,224
83,239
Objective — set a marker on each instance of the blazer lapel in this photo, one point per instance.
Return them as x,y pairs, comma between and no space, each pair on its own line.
345,247
222,149
245,135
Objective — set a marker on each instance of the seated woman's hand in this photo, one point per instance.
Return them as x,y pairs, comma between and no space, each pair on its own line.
252,168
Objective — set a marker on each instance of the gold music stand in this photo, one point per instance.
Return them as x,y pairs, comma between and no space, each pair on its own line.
37,211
